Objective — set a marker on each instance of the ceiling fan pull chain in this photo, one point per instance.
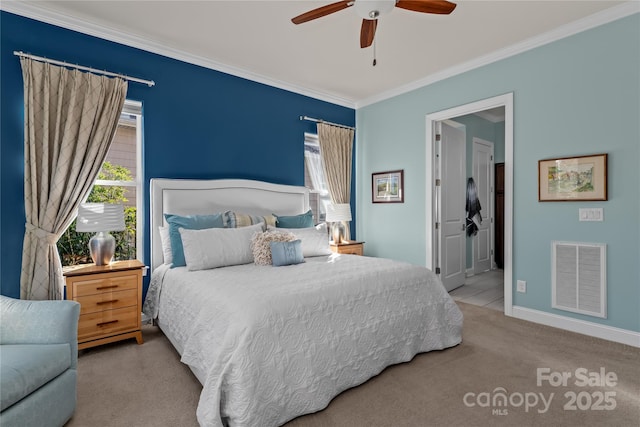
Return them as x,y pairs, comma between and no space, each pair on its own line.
374,53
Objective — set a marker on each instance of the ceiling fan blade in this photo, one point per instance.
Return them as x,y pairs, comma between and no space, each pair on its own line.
441,7
368,32
322,11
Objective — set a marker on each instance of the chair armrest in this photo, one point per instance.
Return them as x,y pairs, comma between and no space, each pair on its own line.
40,322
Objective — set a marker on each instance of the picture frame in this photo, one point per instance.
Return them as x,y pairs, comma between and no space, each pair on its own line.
571,179
387,187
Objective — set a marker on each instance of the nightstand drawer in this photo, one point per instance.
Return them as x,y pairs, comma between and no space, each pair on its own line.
106,283
108,301
352,248
96,325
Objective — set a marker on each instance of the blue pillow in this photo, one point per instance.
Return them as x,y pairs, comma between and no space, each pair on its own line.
304,220
190,222
286,253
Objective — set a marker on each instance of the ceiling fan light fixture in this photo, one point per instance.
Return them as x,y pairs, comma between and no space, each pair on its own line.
372,9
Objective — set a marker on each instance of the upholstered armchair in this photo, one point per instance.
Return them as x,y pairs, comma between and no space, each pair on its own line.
38,361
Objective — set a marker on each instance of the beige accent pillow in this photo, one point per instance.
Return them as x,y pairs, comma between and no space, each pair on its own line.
261,244
237,219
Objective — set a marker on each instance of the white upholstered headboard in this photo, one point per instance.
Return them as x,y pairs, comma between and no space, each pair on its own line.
190,197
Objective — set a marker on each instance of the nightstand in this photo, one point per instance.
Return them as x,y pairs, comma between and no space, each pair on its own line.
110,298
354,248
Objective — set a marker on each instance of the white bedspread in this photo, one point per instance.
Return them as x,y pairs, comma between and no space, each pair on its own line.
272,343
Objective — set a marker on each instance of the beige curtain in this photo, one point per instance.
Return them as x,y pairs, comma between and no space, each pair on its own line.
336,146
70,118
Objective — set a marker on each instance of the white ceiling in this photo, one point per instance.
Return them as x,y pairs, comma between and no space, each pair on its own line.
322,58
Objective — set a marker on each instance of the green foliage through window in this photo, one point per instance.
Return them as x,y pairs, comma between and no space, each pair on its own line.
74,246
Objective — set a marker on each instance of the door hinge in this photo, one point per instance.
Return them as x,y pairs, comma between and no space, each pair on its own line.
437,137
437,270
437,183
437,225
491,251
491,157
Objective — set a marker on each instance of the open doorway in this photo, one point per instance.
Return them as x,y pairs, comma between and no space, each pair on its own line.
445,254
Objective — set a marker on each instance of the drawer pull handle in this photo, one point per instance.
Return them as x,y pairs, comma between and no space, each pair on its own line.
107,287
107,323
106,302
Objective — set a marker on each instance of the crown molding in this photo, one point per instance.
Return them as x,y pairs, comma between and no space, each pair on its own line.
597,19
40,13
43,14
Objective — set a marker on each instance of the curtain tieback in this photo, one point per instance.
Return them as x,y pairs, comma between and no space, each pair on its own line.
51,238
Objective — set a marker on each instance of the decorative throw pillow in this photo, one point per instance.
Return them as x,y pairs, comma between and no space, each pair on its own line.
189,222
167,256
236,219
315,240
286,253
218,247
261,244
295,221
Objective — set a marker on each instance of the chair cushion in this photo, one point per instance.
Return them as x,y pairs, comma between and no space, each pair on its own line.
25,368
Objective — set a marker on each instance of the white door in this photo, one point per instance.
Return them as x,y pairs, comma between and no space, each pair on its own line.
453,166
483,175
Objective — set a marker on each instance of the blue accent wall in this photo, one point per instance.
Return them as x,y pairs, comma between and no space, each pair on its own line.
576,96
198,123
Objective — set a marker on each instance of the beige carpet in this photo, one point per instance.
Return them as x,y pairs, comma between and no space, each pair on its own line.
123,384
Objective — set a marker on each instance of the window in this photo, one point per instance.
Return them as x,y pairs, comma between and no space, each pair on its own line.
119,181
314,178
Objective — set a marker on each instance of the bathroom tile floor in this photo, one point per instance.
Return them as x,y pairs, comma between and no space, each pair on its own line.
485,289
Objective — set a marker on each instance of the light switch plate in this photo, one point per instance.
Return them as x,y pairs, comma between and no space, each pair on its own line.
591,214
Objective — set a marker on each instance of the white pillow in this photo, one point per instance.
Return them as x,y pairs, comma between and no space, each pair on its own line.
165,241
315,240
218,247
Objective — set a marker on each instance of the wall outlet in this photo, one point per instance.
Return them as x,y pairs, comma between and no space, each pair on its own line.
521,286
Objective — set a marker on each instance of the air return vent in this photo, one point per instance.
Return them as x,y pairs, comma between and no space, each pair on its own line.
579,277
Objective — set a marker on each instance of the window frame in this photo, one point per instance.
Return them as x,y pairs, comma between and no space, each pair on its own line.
133,108
323,196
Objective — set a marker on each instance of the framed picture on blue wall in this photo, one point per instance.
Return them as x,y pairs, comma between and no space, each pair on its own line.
568,179
387,187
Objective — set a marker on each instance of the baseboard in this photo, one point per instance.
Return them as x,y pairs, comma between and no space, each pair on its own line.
469,272
591,329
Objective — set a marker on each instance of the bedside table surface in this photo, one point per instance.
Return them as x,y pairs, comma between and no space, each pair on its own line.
82,269
349,243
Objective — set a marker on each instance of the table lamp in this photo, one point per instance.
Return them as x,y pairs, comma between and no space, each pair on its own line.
336,215
101,218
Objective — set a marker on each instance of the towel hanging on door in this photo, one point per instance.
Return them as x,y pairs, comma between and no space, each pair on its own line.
474,219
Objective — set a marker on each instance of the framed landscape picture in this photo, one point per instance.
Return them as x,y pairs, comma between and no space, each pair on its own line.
387,187
573,179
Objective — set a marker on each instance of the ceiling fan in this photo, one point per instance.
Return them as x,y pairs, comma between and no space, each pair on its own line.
370,11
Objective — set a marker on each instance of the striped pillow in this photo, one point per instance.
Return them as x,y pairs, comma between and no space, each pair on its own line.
236,219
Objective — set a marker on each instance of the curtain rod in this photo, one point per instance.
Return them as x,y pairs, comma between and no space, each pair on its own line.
311,119
83,68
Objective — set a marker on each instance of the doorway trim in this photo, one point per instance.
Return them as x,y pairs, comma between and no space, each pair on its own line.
432,119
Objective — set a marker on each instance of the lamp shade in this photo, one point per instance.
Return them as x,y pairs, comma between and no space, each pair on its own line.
96,217
338,212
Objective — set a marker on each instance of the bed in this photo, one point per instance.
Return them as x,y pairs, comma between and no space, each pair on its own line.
272,343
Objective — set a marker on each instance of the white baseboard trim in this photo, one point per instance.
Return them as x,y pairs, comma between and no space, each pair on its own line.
591,329
469,272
